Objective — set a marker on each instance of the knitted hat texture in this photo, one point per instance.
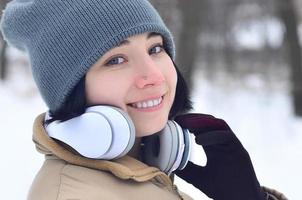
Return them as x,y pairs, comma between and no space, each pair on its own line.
64,38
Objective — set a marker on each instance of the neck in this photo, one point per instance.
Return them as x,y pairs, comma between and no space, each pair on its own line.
135,150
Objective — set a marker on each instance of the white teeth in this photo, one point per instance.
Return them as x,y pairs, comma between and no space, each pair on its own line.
138,105
147,104
150,103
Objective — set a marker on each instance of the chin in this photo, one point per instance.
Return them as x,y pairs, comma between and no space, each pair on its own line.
142,131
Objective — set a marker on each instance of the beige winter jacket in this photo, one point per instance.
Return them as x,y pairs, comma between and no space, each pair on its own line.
65,175
68,176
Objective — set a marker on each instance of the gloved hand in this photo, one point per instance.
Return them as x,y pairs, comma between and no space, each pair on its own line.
229,173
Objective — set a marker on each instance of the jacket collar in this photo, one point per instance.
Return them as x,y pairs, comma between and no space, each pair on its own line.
123,168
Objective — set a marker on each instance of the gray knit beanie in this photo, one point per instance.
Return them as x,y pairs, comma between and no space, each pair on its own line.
64,38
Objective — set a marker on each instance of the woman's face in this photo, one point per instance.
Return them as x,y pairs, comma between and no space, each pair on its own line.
137,76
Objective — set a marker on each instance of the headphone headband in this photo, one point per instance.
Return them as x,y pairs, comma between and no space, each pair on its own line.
106,132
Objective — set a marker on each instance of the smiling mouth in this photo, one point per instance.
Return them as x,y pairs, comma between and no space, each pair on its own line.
147,104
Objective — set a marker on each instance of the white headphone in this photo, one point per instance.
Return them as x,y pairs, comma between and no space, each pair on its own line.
106,132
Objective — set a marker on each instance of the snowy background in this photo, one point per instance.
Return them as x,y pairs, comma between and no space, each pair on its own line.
262,118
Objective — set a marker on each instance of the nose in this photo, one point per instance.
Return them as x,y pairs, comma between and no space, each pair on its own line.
149,74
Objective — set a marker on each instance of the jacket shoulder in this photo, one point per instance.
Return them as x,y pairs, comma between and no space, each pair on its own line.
58,180
46,183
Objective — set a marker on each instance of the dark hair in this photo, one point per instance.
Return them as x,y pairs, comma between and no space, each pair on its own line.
75,103
182,102
74,106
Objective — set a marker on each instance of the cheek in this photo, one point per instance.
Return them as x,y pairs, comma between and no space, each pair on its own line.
106,90
171,77
174,77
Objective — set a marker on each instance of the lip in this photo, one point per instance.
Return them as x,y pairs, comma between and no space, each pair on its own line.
151,109
148,98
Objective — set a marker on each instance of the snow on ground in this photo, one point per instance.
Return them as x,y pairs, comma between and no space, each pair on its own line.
262,120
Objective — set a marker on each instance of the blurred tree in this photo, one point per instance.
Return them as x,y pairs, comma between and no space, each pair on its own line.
169,11
3,66
288,16
188,43
184,19
208,33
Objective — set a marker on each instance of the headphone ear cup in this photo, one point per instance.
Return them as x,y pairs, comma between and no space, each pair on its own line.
123,130
81,134
157,149
187,151
102,132
166,148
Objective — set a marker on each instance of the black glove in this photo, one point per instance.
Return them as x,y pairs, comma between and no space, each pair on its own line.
229,173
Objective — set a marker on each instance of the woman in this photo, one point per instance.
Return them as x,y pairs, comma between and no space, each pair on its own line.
118,54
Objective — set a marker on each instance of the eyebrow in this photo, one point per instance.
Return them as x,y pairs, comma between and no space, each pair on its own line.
150,35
